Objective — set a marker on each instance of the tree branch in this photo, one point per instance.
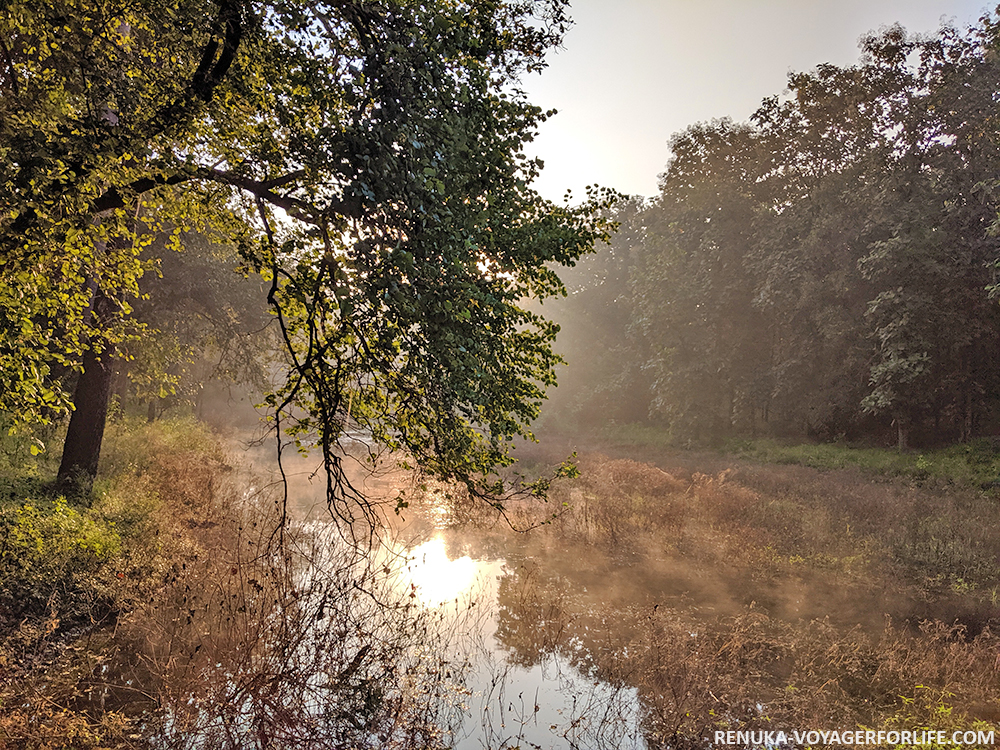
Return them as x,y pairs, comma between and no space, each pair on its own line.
210,71
299,209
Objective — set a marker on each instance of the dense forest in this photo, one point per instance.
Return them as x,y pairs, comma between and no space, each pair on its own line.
326,206
826,270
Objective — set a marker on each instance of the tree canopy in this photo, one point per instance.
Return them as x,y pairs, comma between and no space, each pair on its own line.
366,158
829,267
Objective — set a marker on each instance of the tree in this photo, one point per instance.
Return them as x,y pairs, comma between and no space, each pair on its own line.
822,166
933,320
693,288
831,267
603,378
365,157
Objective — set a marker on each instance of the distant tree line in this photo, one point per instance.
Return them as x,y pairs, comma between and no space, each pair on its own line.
827,269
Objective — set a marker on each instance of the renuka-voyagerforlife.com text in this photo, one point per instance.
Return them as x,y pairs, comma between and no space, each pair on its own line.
855,737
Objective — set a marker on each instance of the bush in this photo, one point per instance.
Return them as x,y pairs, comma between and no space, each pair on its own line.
52,553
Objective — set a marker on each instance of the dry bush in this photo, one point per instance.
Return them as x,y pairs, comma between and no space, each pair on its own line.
753,672
52,728
615,502
270,638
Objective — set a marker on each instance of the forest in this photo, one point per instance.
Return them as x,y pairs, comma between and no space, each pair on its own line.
825,271
321,428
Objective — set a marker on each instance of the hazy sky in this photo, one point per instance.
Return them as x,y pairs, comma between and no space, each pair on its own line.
635,71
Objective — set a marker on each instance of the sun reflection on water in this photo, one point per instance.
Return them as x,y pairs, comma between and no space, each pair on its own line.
434,577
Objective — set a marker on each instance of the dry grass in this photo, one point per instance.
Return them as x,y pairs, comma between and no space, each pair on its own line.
791,521
898,578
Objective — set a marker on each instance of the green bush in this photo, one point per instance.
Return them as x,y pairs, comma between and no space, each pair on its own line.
51,550
67,561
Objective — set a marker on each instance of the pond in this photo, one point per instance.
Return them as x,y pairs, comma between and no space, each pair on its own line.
505,607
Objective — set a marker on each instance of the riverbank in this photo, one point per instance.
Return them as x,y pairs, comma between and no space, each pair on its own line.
80,579
818,595
171,608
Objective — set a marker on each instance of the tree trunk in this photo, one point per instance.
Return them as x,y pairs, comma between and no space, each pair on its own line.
86,426
967,414
82,448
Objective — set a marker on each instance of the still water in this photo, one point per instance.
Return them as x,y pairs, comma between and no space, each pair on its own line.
526,680
526,686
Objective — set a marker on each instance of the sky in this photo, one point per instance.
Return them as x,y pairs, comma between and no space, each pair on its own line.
633,72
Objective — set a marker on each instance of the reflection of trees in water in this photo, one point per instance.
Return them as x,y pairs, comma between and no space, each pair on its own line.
302,644
532,613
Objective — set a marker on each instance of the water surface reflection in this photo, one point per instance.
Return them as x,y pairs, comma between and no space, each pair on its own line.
526,685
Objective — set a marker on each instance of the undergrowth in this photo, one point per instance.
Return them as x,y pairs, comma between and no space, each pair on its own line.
71,568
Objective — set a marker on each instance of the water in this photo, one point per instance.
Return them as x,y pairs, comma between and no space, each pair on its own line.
524,686
500,612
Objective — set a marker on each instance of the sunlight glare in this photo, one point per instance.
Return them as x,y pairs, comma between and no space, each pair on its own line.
436,578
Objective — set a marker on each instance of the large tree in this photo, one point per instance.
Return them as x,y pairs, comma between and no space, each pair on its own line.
693,288
830,268
366,157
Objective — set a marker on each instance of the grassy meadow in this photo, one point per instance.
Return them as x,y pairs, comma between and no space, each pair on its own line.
786,586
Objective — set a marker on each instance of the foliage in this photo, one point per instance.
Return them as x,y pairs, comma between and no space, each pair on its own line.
826,270
365,158
49,545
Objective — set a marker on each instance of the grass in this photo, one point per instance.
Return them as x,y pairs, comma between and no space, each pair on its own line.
71,569
972,464
776,585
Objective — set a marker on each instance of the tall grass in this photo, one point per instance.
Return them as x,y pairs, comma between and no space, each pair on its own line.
811,598
973,464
